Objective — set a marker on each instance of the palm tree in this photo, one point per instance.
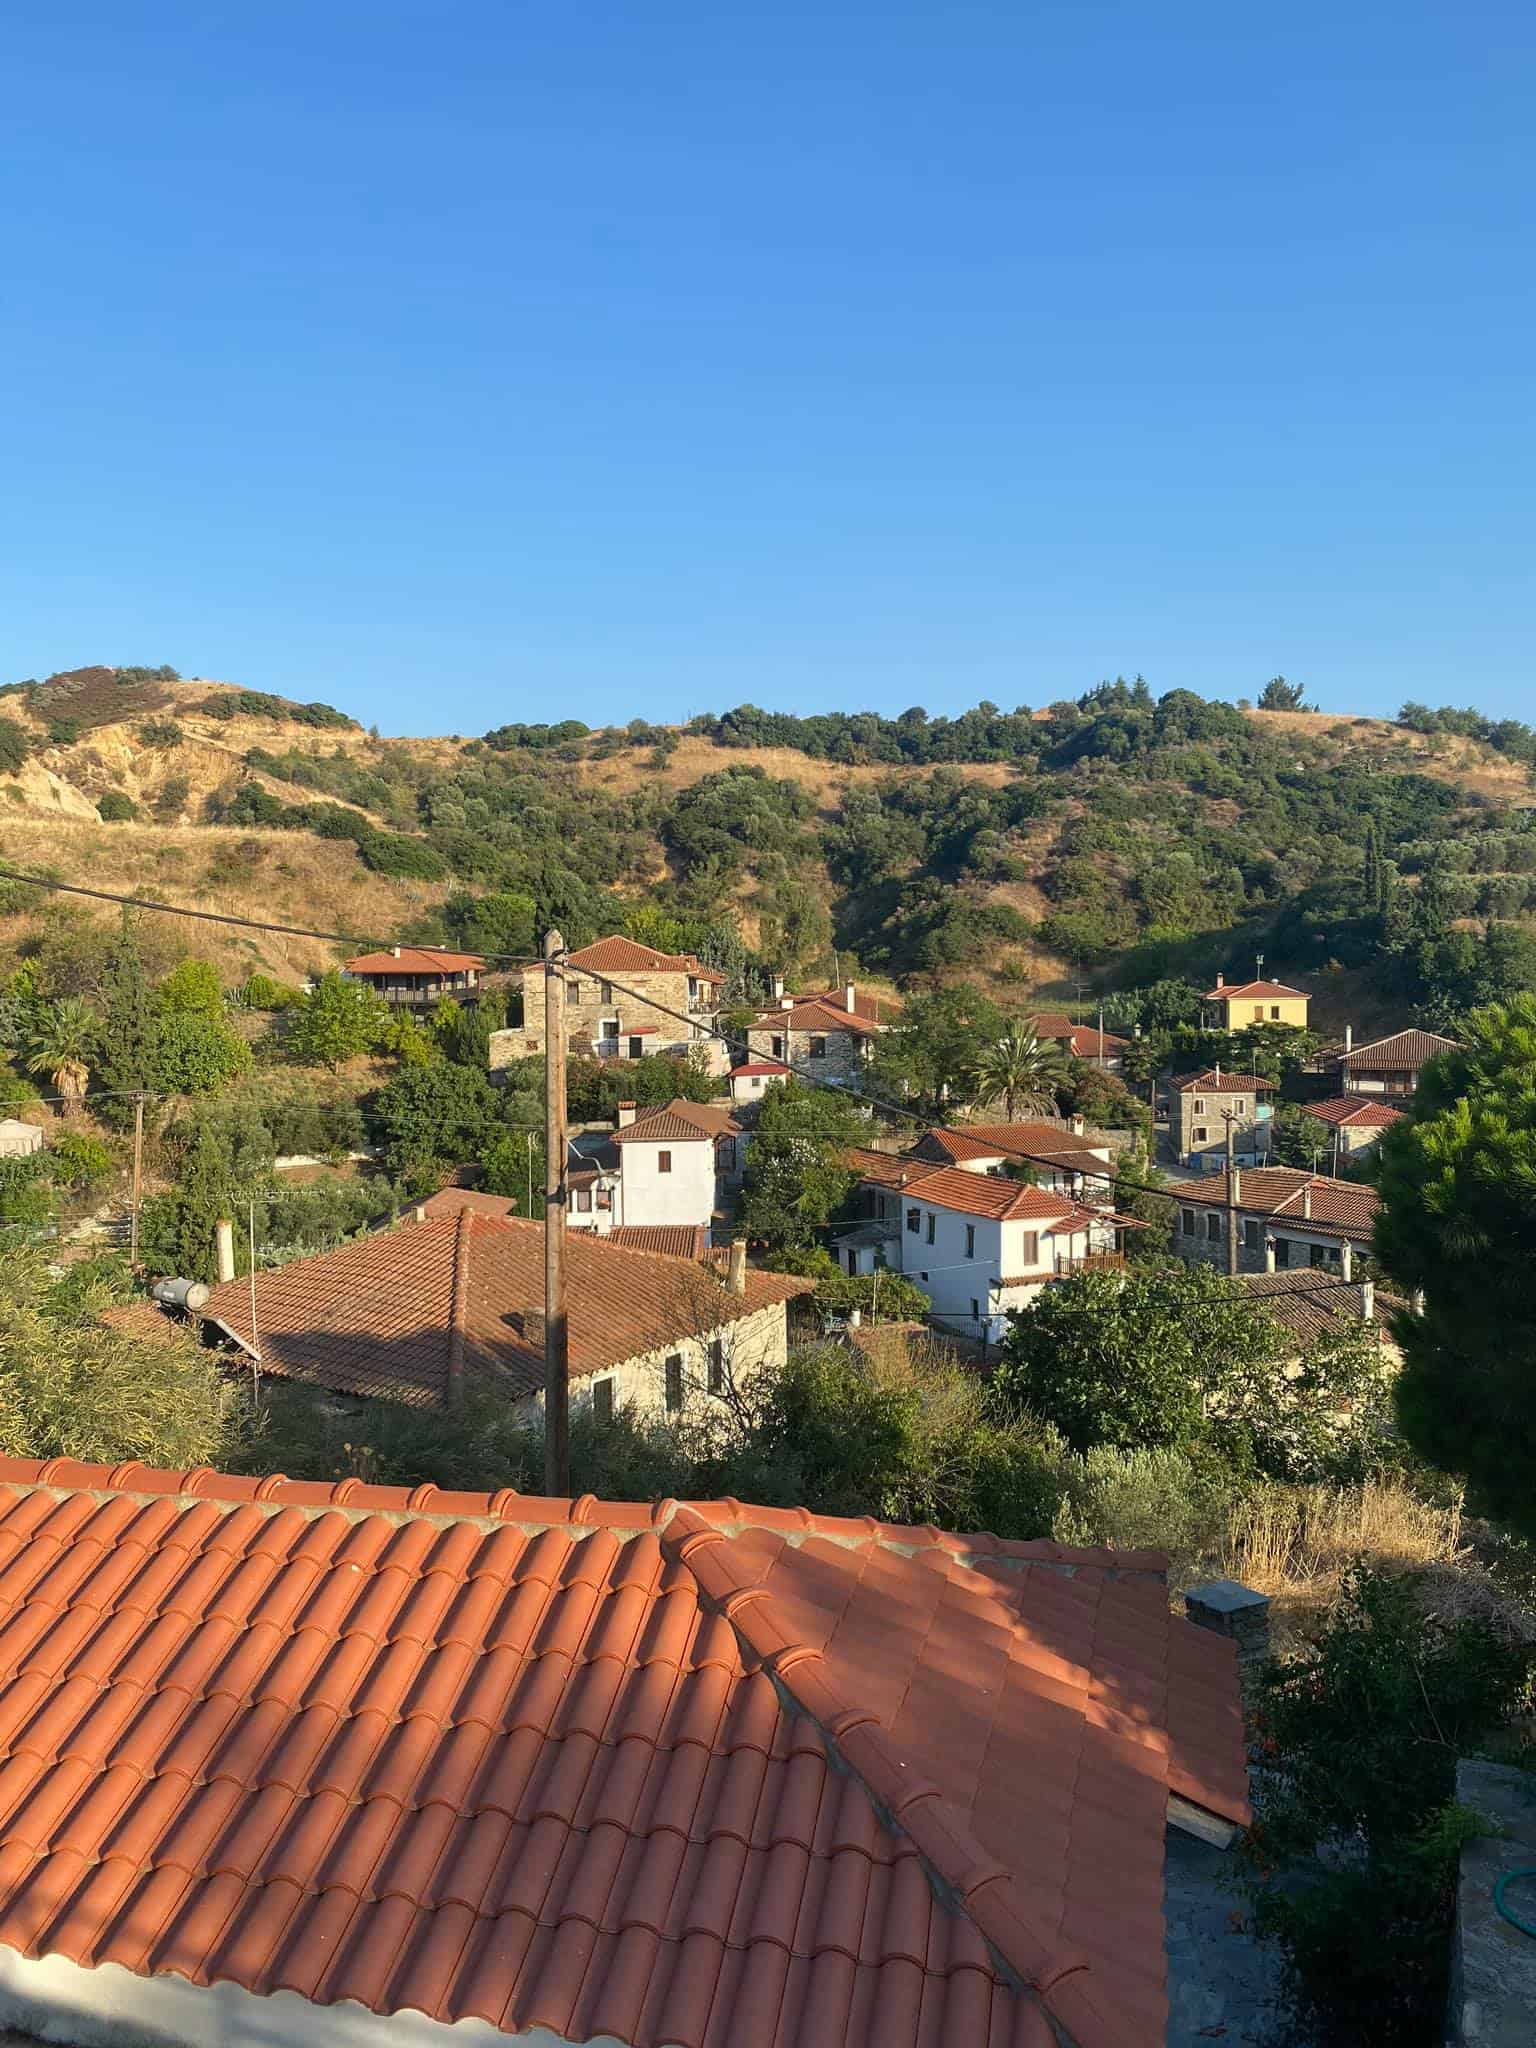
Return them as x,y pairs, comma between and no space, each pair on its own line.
63,1045
1023,1068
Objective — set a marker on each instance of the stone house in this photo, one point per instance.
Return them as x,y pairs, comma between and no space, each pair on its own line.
1390,1066
825,1037
1357,1122
1082,1041
623,1001
1239,1006
1199,1106
1286,1219
417,1314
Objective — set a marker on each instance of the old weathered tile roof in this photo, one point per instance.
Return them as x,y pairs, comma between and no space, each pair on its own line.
1045,1143
451,1200
700,1776
405,1314
1403,1052
886,1169
759,1067
1355,1111
1082,1040
981,1194
616,955
1214,1082
1262,989
675,1240
877,1009
414,960
1315,1305
679,1123
1344,1207
815,1013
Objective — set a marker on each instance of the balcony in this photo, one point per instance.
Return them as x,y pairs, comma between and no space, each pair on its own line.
1088,1262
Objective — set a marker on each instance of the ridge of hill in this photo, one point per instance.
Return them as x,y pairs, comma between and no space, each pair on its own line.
1109,839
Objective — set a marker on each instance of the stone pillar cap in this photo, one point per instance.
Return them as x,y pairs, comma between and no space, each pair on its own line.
1225,1596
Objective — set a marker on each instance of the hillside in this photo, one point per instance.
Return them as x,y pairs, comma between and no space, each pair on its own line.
1106,841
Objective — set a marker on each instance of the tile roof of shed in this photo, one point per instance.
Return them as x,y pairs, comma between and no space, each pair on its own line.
706,1775
1344,1206
402,1314
1356,1111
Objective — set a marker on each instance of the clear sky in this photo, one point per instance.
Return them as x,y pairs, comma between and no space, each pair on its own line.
472,361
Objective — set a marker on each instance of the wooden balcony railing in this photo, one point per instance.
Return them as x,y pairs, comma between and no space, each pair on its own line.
1089,1262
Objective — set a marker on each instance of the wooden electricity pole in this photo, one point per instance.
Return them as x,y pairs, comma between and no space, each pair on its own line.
1232,1189
138,1178
557,1339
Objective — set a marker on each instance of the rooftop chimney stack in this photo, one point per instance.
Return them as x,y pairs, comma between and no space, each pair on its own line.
1078,1126
1349,1038
785,1002
1237,1186
1221,981
1367,1301
778,988
848,997
1347,1262
736,1267
394,952
224,1249
1269,1251
1306,1202
626,1115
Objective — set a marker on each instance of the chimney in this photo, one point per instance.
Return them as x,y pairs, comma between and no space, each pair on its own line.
785,1002
394,952
1416,1301
224,1249
1367,1301
1347,1262
1269,1251
1078,1126
626,1115
1241,1615
1221,981
419,1213
848,997
855,1318
1237,1186
1306,1202
736,1267
1349,1037
1218,1073
778,988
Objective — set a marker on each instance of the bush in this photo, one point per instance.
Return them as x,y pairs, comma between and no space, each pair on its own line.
80,1162
160,732
115,808
261,992
14,746
63,732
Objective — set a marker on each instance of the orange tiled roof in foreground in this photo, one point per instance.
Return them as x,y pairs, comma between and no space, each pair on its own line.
405,1314
706,1775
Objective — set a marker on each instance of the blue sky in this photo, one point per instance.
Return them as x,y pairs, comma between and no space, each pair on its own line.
468,362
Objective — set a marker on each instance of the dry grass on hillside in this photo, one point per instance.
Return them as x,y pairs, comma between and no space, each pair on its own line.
695,758
285,877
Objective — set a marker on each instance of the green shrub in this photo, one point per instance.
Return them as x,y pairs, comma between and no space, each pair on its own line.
116,808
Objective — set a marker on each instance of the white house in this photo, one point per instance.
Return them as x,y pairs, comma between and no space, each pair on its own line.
678,1164
977,1244
752,1078
19,1140
1065,1161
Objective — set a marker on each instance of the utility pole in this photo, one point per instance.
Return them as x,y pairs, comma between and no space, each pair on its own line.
557,1336
1101,1037
1232,1189
138,1178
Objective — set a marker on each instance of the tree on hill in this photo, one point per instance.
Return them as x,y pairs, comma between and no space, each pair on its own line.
14,746
1022,1070
1458,1220
433,1117
1279,695
62,1046
339,1020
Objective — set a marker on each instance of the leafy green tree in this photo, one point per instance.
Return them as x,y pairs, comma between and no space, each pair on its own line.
432,1117
884,1297
192,988
1279,695
1020,1069
506,921
25,1202
796,1180
71,1387
80,1162
116,808
195,1054
1297,1139
1457,1220
336,1022
62,1046
1131,1359
512,1164
125,1037
932,1054
14,747
176,1229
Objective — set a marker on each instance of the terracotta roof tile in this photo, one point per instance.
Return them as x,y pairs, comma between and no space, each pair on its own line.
386,1315
679,1122
981,1194
815,1013
414,960
1317,1305
1254,989
1403,1052
1214,1082
1338,1207
616,955
673,1240
1082,1040
1355,1112
523,1760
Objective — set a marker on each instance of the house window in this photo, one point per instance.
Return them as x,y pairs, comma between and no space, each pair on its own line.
1282,1253
608,1027
1187,1222
637,1048
818,1048
674,1382
932,1223
1199,1105
1213,1228
914,1220
1274,1011
970,1240
717,1365
1242,1105
602,1400
725,1155
778,1048
663,1162
584,1201
1251,1234
1322,1255
1202,1133
605,991
975,1310
605,1198
1031,1247
1258,1013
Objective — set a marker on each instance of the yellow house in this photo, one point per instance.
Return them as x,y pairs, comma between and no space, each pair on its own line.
1241,1005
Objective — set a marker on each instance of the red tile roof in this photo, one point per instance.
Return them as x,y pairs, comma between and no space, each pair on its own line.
760,1067
674,1240
451,1201
885,1169
678,1123
1339,1207
1354,1112
1316,1305
877,1009
705,1775
814,1013
414,960
980,1194
1253,988
1044,1142
404,1314
616,955
1082,1040
1404,1052
1214,1082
